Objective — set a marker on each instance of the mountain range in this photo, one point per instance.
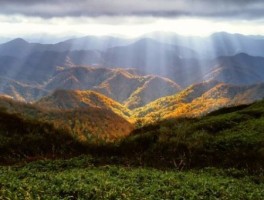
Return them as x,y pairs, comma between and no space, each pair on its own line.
91,114
185,60
215,45
43,74
104,86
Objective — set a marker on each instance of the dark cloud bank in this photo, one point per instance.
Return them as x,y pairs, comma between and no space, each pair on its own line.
244,9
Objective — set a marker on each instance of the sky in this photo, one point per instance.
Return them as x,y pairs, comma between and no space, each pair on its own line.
129,18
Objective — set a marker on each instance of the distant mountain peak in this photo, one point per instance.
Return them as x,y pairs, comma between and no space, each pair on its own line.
145,40
242,54
18,41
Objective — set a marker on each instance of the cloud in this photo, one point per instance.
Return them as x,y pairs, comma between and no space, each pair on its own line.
244,9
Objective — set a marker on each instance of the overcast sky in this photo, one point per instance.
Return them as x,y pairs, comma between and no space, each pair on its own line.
130,17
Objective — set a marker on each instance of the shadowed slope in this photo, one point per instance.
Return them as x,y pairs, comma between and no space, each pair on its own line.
33,139
20,91
240,69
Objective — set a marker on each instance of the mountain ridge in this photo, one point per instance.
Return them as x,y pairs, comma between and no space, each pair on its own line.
76,99
198,100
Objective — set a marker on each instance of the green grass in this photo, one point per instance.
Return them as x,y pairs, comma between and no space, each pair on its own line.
23,138
78,178
230,137
218,156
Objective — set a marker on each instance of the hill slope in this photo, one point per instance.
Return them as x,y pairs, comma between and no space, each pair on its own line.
238,69
198,100
21,91
121,85
229,137
76,99
29,84
32,139
153,88
85,125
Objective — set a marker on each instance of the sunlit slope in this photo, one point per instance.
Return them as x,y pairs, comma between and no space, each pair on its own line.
135,91
84,124
153,88
170,105
231,137
77,99
120,85
198,100
91,124
123,85
81,78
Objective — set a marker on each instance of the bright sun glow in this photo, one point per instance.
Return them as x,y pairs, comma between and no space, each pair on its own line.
18,25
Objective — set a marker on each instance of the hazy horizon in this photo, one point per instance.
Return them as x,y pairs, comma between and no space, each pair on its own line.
52,39
66,19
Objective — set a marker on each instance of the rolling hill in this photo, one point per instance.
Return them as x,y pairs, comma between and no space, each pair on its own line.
33,139
30,71
229,137
92,123
153,88
213,140
76,99
21,92
122,85
199,99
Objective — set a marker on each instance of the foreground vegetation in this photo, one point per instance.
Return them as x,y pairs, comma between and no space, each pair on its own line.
230,137
218,156
79,178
